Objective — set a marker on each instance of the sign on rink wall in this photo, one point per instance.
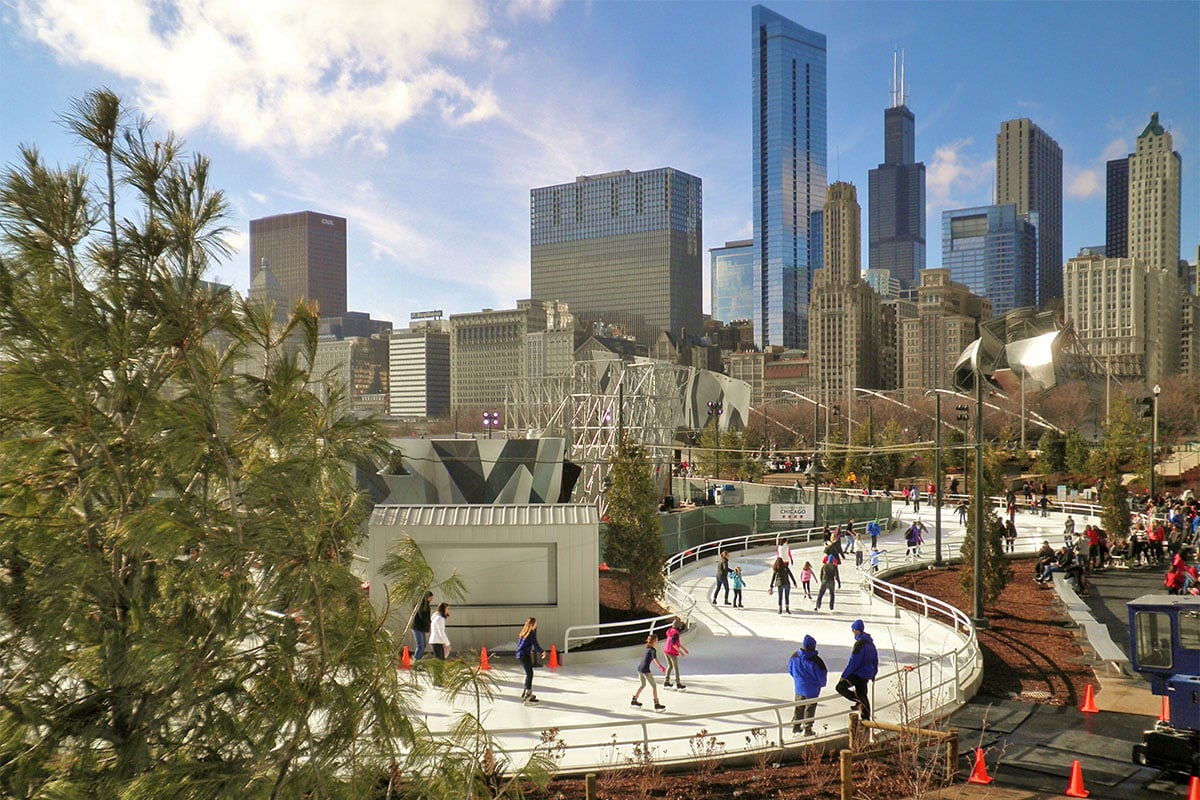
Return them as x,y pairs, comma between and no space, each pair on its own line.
791,512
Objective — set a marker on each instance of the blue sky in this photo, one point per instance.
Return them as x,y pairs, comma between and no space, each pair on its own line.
426,124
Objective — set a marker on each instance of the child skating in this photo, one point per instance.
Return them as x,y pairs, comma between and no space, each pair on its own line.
806,577
644,675
673,649
739,583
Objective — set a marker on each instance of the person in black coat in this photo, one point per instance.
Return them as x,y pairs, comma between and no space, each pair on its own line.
421,624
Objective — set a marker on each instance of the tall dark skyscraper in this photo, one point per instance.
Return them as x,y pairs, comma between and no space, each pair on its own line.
1029,175
306,254
790,172
622,248
1116,208
896,195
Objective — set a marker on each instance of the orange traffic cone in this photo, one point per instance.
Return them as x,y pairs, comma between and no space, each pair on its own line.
1165,716
1075,788
483,659
979,773
553,657
405,658
1194,789
1089,702
604,566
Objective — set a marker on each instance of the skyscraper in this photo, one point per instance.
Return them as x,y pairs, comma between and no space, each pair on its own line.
844,318
1116,208
306,253
1029,175
993,251
1155,179
622,248
789,68
733,281
896,194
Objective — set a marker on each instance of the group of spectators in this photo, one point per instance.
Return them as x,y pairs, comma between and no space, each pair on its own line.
1166,534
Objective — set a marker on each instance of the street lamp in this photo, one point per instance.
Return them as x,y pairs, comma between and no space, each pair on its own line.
490,420
1154,441
714,413
937,477
816,410
814,472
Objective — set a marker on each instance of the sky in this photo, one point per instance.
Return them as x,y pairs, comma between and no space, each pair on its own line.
426,123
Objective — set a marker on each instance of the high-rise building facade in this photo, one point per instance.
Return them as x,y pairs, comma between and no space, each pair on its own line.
1116,208
896,195
789,144
1126,313
306,253
993,251
1155,181
1029,175
622,248
732,280
420,369
844,316
947,320
488,353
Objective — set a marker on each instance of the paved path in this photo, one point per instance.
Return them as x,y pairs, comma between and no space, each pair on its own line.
738,662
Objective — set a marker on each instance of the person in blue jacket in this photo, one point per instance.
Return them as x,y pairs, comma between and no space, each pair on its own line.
862,667
809,674
527,646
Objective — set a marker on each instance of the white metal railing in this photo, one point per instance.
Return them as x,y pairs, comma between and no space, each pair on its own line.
677,598
916,692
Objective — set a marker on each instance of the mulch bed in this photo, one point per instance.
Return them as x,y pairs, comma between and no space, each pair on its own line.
1030,654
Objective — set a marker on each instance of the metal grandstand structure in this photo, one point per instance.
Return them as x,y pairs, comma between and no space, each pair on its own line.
603,400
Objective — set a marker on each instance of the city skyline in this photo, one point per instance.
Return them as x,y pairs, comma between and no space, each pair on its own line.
427,129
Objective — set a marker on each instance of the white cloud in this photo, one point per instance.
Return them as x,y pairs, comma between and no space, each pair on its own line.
281,73
1082,183
257,197
955,173
538,9
1117,148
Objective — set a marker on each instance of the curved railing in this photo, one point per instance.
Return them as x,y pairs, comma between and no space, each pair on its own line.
928,688
681,601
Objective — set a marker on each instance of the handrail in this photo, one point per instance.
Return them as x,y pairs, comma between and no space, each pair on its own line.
676,597
941,681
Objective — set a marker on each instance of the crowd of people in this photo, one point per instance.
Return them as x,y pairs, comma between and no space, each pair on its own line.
1165,534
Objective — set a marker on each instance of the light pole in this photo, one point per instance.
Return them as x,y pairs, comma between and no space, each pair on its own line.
1154,439
937,478
714,413
816,410
814,471
977,617
490,420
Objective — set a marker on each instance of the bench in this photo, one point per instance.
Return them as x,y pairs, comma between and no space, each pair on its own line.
1104,647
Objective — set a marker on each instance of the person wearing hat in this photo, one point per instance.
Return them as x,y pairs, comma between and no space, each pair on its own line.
862,667
809,675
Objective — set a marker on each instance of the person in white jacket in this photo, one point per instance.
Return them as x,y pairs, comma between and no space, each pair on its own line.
438,639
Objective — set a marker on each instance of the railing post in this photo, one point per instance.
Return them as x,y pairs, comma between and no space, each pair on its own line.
847,773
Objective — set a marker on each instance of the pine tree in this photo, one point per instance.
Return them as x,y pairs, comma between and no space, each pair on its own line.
178,614
633,537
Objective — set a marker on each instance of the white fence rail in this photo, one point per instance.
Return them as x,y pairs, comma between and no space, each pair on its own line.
913,693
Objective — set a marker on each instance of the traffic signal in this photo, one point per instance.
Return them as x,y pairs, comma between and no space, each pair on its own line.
837,410
1145,408
963,413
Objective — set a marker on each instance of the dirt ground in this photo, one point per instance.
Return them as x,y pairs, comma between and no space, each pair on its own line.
1029,655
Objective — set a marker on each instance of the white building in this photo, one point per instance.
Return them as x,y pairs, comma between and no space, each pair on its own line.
1126,313
419,359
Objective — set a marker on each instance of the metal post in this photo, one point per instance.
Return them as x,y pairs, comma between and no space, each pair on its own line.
977,609
1154,439
937,477
1023,448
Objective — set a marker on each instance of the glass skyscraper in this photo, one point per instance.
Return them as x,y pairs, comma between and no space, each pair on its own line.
622,248
993,251
733,281
789,134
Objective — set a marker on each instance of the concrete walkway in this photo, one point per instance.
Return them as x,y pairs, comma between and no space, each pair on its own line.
736,673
